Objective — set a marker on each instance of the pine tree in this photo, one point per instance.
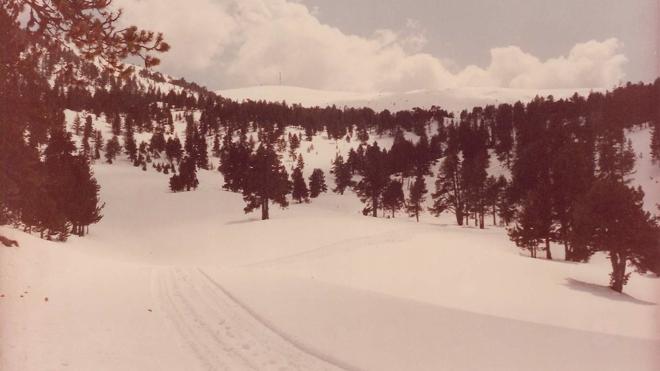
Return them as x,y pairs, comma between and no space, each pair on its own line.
85,209
98,144
414,204
393,198
173,149
130,146
112,148
531,229
611,218
235,162
374,179
157,142
116,124
201,151
59,162
77,125
449,192
186,179
190,140
655,141
317,183
294,144
491,195
300,163
216,146
572,173
342,173
299,191
86,149
266,180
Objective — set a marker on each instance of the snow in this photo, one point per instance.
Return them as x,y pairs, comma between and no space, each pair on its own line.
452,99
187,281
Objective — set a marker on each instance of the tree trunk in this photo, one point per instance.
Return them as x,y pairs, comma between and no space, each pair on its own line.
548,253
459,216
567,252
618,272
264,209
417,215
494,219
374,206
482,223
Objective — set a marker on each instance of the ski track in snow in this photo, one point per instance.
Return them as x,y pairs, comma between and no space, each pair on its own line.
333,248
223,333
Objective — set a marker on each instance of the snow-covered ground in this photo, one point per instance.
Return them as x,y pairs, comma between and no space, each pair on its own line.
187,281
453,99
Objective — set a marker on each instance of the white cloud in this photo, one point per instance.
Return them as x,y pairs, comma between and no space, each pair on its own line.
231,43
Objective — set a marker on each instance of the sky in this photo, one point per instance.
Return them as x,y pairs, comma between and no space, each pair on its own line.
388,45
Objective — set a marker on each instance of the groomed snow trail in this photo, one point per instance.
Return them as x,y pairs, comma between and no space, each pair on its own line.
222,333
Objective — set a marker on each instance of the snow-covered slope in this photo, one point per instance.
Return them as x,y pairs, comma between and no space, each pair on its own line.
187,281
453,99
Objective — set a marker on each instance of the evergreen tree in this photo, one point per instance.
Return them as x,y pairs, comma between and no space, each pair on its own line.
86,149
59,162
449,192
342,173
294,144
173,149
505,205
266,180
414,204
374,179
130,146
317,183
85,209
299,191
88,129
610,218
393,198
216,146
531,229
202,152
186,179
157,142
98,144
116,124
300,163
655,141
235,162
77,125
491,195
191,138
572,173
112,148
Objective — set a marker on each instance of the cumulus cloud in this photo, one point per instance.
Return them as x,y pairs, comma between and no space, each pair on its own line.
232,43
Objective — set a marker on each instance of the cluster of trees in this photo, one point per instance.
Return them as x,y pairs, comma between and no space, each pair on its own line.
382,174
570,163
46,184
257,171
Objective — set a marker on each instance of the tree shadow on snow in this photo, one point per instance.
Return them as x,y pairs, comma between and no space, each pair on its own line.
603,291
243,221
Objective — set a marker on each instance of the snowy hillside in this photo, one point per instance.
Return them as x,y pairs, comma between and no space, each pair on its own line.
188,281
452,99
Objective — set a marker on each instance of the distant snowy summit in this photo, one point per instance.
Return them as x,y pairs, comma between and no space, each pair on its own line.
452,99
